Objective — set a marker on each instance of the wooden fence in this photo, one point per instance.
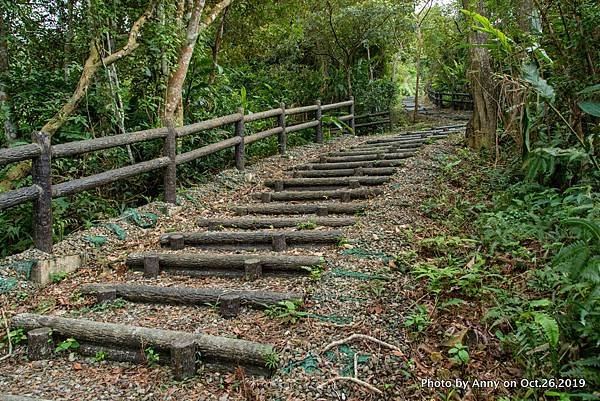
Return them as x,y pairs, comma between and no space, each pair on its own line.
455,100
41,152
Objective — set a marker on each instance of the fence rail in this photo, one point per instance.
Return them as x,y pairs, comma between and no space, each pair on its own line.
454,100
41,153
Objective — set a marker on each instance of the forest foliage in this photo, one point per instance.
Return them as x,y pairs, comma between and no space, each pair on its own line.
255,54
542,101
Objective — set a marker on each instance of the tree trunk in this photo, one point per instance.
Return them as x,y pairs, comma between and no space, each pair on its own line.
68,40
114,85
10,130
348,68
481,129
173,101
216,48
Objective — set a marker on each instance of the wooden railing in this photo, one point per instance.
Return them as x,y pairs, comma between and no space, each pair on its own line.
41,152
454,100
385,117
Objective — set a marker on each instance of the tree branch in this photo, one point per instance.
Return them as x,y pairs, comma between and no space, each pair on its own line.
214,13
195,25
353,380
93,63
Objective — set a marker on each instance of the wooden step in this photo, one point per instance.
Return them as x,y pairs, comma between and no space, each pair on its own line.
352,165
280,185
12,397
367,158
253,223
205,264
425,135
346,173
277,241
291,208
127,343
386,145
345,195
373,151
186,296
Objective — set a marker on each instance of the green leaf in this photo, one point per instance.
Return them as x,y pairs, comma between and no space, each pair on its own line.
591,108
463,355
549,326
539,303
531,74
97,240
119,232
586,224
590,89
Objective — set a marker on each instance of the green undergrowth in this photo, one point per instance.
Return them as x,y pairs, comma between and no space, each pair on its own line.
529,254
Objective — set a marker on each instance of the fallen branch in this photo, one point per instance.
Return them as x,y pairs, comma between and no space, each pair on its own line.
10,347
362,337
353,380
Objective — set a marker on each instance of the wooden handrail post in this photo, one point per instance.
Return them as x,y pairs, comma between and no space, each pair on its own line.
170,151
352,120
282,135
240,151
42,205
319,127
391,115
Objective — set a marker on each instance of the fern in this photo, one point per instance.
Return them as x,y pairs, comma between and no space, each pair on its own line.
549,327
573,258
587,225
586,368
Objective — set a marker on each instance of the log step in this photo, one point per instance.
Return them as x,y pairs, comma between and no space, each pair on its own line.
413,143
371,152
188,296
352,165
345,195
425,135
385,148
215,263
363,158
275,240
279,185
287,208
351,172
253,223
220,353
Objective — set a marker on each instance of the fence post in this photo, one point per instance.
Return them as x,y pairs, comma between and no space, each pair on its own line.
42,205
170,151
352,120
240,129
319,118
282,134
391,115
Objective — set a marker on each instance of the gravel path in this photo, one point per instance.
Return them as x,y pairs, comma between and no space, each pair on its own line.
363,289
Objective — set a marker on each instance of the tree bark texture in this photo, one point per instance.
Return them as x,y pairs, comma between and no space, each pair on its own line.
222,349
289,208
192,261
190,296
481,129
